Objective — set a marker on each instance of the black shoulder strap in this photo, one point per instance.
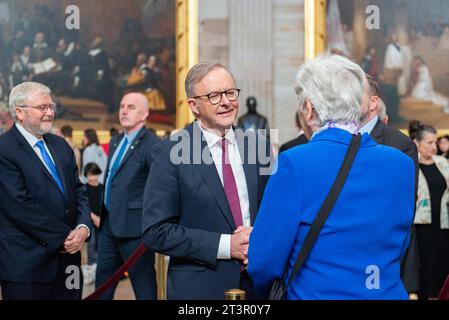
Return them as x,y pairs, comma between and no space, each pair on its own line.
326,207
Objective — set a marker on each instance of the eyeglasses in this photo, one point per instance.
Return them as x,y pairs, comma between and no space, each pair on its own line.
216,96
42,108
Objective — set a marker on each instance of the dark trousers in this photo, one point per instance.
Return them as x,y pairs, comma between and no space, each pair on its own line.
67,285
112,253
92,247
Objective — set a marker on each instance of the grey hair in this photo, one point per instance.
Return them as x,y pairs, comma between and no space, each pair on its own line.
22,92
334,86
381,110
198,72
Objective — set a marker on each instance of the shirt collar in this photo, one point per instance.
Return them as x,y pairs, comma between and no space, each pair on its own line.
132,136
32,140
369,126
212,138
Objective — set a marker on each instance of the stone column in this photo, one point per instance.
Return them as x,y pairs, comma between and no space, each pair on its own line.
251,51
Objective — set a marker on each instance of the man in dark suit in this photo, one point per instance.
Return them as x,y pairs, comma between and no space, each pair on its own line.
44,211
383,134
204,190
129,162
300,139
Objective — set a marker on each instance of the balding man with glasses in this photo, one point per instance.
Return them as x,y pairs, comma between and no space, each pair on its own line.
44,211
204,190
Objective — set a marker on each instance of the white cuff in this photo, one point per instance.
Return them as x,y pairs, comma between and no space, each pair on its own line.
224,248
84,226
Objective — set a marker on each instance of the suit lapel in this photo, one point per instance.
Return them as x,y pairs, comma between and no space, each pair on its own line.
113,144
210,175
131,148
28,150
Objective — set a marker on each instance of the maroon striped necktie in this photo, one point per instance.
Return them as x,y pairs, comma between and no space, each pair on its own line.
230,187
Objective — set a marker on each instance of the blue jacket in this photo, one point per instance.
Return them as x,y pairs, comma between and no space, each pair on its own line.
357,255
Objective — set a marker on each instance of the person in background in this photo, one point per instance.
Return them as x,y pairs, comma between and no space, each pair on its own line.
93,152
120,234
95,189
443,146
372,122
300,139
67,133
432,216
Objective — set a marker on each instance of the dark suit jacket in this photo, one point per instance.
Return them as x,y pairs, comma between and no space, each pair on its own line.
35,216
186,211
301,139
127,185
392,137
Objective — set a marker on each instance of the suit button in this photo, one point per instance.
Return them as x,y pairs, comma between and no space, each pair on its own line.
67,211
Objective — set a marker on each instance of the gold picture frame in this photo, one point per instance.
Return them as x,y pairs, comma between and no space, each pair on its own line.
186,54
314,28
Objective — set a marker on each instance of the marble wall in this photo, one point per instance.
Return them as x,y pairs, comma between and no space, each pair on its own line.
262,41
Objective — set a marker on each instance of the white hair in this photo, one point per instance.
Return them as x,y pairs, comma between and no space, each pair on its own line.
20,93
334,86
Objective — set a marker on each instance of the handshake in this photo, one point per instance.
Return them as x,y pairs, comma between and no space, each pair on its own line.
240,243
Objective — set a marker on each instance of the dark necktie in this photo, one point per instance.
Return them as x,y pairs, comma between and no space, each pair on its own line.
49,163
230,187
114,168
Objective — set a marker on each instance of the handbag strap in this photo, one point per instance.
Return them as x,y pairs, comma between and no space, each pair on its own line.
326,207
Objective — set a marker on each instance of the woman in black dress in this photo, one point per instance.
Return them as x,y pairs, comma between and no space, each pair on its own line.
431,220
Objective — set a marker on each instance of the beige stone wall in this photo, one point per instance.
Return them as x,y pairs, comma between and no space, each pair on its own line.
262,41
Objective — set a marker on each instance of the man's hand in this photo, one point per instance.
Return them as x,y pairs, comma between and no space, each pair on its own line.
95,219
75,240
240,242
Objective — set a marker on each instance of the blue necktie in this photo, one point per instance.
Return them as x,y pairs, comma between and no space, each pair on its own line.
49,163
114,168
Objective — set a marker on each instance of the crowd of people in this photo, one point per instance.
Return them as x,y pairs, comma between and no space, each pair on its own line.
359,205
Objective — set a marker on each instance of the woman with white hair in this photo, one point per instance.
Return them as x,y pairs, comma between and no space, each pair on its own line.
358,249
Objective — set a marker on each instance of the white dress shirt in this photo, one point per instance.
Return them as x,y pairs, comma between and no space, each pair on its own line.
32,140
214,143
